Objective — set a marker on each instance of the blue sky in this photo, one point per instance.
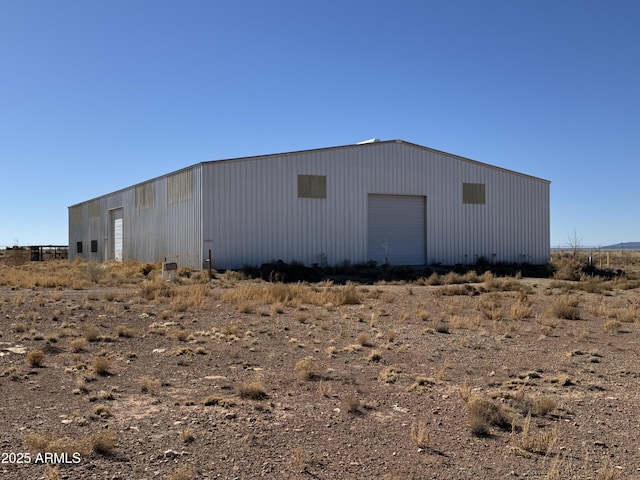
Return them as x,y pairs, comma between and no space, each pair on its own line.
99,95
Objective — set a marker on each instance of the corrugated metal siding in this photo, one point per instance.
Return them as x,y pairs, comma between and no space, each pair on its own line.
396,229
253,214
153,227
247,211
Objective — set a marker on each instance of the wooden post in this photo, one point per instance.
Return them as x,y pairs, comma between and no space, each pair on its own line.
210,262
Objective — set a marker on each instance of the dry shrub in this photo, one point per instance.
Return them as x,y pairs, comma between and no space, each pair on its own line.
180,334
543,406
490,307
101,366
540,443
567,269
156,289
124,331
102,411
347,295
420,435
104,442
612,327
252,390
18,327
190,297
291,294
375,356
149,385
521,308
389,375
453,278
35,358
91,333
306,369
352,404
484,413
45,443
451,290
364,339
187,435
493,284
566,307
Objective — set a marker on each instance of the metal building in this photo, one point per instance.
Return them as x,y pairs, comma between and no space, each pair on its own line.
385,201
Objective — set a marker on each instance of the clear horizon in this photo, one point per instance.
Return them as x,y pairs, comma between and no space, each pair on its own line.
98,96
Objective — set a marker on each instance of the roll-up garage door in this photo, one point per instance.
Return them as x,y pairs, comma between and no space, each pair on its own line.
396,229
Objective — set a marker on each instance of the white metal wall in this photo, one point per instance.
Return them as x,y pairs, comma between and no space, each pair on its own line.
247,211
152,230
252,213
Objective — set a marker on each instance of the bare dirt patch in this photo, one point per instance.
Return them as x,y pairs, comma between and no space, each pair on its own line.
239,378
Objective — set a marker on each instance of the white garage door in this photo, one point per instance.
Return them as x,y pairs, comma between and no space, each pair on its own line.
396,229
116,234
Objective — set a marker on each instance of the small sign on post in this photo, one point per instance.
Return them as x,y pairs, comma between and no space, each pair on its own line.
170,269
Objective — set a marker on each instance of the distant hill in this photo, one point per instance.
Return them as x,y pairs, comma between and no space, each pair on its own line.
623,246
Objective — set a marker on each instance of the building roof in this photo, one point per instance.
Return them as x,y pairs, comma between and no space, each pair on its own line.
365,144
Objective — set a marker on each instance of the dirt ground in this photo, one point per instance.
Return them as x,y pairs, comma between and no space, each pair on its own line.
236,379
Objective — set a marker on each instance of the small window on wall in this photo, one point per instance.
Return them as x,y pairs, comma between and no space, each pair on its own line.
94,246
312,186
473,193
78,247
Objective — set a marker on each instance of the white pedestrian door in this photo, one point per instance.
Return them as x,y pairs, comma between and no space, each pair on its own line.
117,234
396,229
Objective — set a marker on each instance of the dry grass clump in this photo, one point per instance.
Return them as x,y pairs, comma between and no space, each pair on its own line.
18,327
101,366
180,334
91,333
78,344
566,307
521,308
451,290
567,268
246,295
47,443
612,327
389,375
35,358
187,435
352,404
484,413
503,284
420,435
306,369
251,390
156,289
190,297
490,306
364,339
540,443
102,411
453,278
104,442
149,385
126,332
543,406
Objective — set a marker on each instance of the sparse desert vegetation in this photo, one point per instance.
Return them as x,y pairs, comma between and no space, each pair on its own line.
450,374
